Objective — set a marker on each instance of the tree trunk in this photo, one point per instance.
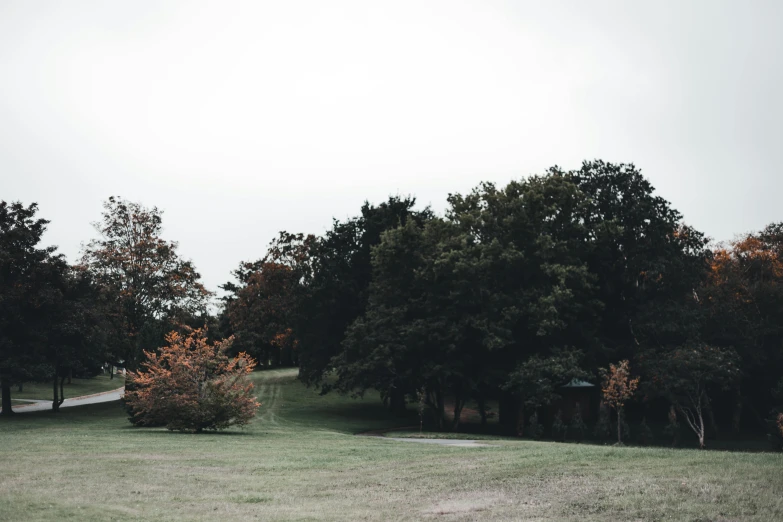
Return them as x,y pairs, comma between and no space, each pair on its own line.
397,402
458,404
5,380
482,406
111,372
736,416
711,417
520,427
70,375
20,387
441,410
55,397
702,445
694,417
619,424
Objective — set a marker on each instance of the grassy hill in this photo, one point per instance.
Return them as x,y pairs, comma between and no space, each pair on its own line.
300,460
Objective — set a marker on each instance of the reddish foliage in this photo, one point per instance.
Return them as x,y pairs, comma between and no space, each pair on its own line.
261,313
192,385
618,386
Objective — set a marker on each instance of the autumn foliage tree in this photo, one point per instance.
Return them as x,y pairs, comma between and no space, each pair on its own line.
742,300
260,312
192,385
617,388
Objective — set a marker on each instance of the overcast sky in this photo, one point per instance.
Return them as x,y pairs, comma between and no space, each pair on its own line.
242,119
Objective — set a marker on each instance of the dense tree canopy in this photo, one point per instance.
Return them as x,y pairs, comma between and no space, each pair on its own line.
512,293
48,315
515,291
338,286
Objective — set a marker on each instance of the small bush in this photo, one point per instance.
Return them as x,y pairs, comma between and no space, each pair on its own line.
192,385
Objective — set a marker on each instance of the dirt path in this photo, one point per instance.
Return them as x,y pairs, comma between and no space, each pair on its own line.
457,443
41,405
268,396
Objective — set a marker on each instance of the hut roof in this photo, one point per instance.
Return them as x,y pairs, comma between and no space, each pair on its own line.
578,383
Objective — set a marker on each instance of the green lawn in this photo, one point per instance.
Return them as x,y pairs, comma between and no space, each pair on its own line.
77,388
300,461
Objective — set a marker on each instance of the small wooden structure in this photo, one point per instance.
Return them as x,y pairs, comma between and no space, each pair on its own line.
577,393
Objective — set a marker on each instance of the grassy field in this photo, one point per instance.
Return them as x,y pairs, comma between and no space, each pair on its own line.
78,387
301,461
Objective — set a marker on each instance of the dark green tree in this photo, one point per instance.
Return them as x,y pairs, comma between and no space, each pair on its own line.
26,293
338,288
688,375
533,246
75,328
647,262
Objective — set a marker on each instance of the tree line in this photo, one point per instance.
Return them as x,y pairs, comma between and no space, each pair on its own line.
518,290
58,320
510,294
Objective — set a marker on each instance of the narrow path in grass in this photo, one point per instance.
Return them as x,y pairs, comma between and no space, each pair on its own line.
95,398
459,443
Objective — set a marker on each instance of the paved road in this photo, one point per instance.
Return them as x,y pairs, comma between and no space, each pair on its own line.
39,405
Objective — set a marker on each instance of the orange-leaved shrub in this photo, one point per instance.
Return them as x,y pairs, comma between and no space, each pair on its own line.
192,385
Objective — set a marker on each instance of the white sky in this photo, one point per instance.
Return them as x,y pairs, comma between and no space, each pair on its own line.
240,119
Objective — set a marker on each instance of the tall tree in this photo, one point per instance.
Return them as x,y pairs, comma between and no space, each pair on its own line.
645,258
742,305
338,290
424,327
148,278
261,307
26,293
534,248
75,328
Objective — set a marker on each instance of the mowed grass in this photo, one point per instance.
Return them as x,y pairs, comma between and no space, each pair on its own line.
77,388
300,460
